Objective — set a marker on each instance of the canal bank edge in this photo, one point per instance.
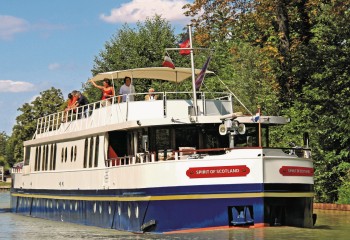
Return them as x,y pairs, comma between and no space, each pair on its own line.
332,206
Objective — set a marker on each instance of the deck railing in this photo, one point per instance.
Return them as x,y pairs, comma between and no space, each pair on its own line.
168,104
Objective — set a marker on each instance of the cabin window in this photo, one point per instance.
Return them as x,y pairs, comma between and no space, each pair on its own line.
39,158
75,153
62,154
27,155
212,138
51,156
85,152
36,159
65,154
71,153
43,158
186,137
163,138
91,148
47,157
96,151
54,157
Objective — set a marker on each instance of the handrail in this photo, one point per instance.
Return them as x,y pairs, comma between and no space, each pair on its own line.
53,122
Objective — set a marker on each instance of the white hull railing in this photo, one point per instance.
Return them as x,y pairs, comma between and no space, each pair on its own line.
103,112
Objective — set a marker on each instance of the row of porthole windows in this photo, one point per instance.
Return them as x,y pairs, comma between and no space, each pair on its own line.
73,154
45,157
49,204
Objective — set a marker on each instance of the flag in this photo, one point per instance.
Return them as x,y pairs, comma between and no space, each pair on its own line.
256,118
168,62
185,44
201,75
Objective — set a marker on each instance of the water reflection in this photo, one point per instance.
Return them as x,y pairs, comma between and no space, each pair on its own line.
329,225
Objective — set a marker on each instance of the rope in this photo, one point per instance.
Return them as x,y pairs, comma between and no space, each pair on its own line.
234,95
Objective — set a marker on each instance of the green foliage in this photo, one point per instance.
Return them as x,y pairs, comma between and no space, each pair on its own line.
49,101
3,142
136,48
344,189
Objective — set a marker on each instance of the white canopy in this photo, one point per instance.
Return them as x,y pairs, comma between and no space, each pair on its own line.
161,73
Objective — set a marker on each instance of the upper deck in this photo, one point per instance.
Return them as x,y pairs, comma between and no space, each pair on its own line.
170,107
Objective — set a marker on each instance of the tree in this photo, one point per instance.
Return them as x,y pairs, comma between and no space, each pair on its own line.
49,101
327,95
141,47
3,142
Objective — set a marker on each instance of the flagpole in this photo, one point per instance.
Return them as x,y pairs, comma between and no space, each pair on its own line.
193,76
259,124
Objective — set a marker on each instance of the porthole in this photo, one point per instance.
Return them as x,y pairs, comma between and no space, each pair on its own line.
129,211
137,211
109,209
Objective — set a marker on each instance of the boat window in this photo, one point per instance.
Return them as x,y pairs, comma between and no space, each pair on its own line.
36,159
27,155
71,153
51,156
54,157
43,158
65,154
91,148
85,152
47,157
163,138
62,154
186,137
75,153
96,151
212,138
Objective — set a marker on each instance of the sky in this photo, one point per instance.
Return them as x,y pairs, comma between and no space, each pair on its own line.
46,44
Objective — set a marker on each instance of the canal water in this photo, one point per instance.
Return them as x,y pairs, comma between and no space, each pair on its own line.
330,225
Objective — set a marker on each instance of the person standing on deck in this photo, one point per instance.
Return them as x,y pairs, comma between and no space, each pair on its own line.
107,91
125,89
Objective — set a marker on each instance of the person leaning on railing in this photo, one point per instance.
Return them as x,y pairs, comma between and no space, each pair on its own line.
81,104
70,105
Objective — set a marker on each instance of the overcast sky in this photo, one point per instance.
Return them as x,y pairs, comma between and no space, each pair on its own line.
52,43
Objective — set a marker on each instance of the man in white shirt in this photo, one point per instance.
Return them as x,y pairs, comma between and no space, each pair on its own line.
127,88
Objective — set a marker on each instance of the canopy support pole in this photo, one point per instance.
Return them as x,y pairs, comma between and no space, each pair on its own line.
193,76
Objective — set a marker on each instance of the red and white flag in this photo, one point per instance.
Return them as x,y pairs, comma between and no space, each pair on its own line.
168,62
